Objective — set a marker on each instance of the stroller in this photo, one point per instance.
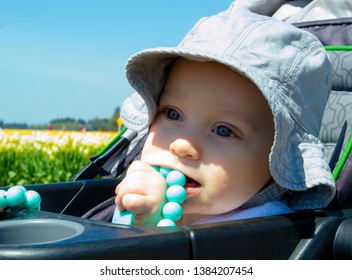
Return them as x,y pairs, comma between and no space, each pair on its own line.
80,211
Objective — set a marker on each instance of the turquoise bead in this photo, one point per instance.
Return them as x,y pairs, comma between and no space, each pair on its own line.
15,196
122,217
156,168
32,200
166,223
3,201
175,178
172,211
23,188
176,193
164,171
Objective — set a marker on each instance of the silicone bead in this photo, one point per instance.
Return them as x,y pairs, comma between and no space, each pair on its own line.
164,171
172,211
166,223
15,196
176,193
157,168
23,188
175,178
3,201
32,200
122,217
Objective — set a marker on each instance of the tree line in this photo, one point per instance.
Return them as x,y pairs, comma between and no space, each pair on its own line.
67,123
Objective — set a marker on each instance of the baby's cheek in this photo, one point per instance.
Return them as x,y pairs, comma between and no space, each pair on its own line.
230,193
148,152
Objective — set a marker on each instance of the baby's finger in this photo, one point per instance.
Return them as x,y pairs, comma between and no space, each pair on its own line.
128,186
120,191
118,199
136,203
139,166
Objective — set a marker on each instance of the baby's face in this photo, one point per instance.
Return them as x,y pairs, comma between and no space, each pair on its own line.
215,126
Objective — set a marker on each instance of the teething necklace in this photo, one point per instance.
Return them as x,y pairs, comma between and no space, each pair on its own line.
175,195
19,198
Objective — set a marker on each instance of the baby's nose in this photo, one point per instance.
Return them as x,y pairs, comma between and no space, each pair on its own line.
184,148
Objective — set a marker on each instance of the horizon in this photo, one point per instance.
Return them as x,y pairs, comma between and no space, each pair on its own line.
67,58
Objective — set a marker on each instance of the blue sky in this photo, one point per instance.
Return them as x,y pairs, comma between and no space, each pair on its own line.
66,58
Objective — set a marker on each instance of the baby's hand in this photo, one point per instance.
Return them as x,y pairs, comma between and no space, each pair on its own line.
142,191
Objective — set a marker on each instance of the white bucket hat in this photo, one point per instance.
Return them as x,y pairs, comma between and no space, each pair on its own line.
288,65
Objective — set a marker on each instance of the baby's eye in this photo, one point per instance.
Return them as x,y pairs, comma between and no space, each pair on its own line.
223,131
172,114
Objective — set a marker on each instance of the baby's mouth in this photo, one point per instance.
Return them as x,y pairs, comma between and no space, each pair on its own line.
192,187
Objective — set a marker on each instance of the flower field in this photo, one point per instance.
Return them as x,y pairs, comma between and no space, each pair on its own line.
39,156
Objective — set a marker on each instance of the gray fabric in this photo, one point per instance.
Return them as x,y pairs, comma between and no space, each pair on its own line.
299,10
332,32
339,106
289,66
341,62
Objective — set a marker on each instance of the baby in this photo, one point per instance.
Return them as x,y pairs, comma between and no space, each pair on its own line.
216,127
237,108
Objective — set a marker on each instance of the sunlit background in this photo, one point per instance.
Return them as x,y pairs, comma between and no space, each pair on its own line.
66,58
62,76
